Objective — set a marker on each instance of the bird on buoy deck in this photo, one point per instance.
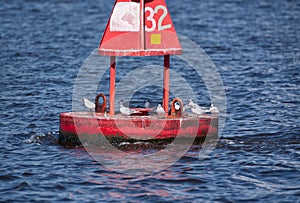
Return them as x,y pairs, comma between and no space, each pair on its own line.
137,28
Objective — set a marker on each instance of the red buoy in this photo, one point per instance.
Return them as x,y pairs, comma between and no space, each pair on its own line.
137,28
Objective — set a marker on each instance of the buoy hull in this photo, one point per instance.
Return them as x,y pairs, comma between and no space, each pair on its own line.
78,127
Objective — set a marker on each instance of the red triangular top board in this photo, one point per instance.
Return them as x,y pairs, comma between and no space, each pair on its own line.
139,28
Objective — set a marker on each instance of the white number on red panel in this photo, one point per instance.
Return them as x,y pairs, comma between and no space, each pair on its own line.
160,25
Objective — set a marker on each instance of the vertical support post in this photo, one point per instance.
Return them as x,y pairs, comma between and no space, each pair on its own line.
166,83
112,80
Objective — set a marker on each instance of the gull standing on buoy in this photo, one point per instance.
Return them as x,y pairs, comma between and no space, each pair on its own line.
196,108
127,111
90,105
185,107
213,109
147,104
160,110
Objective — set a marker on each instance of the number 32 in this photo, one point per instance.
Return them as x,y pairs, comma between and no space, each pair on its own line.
160,20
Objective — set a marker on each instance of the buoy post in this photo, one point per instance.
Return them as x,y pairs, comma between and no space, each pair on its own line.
112,80
166,83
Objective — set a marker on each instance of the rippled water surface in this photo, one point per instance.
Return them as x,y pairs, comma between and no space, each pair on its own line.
255,46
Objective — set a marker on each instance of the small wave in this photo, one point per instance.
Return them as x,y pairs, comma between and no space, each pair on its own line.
43,138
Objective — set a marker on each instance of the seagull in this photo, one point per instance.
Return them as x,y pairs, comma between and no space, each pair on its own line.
213,109
185,107
160,110
147,104
127,111
88,103
196,108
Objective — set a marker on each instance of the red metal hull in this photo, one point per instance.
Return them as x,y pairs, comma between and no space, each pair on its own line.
77,125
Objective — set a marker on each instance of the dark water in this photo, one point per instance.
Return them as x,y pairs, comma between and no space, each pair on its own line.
256,48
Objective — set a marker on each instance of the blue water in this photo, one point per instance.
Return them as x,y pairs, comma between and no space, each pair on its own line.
255,46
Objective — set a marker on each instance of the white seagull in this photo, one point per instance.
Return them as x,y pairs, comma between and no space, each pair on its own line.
185,108
160,110
127,111
213,109
147,104
196,108
88,103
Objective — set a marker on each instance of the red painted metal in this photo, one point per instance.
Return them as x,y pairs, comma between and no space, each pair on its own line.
87,124
112,85
143,111
100,108
166,83
174,112
139,28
